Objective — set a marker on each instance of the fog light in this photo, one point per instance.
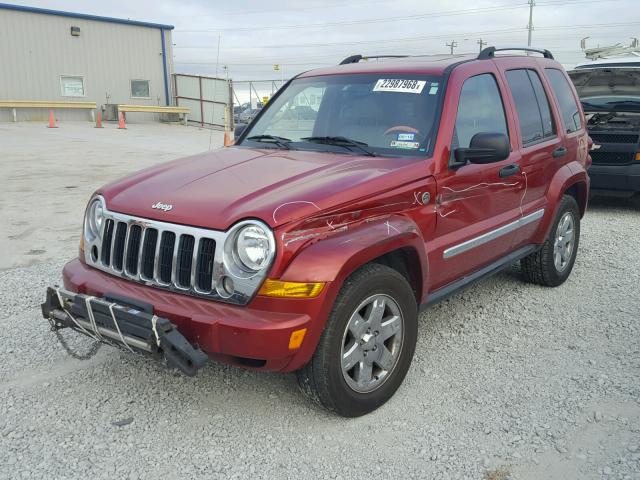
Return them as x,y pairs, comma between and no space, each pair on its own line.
226,288
277,288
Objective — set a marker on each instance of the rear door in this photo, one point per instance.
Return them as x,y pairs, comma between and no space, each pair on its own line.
476,203
542,148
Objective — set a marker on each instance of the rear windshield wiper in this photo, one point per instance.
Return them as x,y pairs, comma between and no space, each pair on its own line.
279,141
342,142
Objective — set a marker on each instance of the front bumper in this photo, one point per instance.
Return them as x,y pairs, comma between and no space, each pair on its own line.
256,336
615,178
122,325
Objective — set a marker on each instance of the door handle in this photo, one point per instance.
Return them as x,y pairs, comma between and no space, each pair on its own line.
509,170
559,152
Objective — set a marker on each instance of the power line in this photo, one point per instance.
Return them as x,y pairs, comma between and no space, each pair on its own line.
419,38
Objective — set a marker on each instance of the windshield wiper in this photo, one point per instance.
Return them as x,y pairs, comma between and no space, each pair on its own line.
342,142
279,141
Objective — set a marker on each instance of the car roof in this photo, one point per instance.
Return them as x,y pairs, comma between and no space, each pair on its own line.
430,65
435,65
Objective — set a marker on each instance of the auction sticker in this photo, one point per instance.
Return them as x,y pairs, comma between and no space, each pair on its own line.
410,145
399,85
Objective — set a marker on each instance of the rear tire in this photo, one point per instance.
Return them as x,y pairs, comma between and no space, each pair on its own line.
552,264
367,346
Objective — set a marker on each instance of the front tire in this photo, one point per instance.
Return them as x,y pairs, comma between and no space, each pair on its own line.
552,264
367,346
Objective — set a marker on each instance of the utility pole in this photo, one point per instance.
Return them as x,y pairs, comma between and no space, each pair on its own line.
481,43
531,3
452,45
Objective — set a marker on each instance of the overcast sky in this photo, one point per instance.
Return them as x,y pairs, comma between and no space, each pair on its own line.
303,34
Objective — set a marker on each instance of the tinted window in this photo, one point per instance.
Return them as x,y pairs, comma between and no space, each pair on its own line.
480,110
532,106
566,101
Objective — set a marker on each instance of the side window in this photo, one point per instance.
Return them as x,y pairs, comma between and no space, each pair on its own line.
532,105
566,101
480,110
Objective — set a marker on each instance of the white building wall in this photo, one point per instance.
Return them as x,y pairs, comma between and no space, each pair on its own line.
37,49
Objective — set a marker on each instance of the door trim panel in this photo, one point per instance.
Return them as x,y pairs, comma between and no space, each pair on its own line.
492,235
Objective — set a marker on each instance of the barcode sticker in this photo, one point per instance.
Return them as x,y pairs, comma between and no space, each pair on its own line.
398,85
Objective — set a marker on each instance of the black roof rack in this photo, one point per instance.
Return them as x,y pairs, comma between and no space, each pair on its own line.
357,58
490,51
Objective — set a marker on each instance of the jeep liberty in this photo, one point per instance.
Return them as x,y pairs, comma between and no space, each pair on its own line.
359,195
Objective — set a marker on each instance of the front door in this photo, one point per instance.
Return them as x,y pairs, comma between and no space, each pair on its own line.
478,206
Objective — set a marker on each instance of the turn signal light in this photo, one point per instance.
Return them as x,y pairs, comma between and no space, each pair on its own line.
277,288
297,336
638,157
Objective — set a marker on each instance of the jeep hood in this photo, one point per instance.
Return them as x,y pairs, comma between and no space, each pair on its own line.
216,189
597,82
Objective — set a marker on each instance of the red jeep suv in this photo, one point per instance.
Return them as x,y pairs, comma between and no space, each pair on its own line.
359,195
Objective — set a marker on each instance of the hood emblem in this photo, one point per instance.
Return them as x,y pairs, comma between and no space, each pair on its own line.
162,206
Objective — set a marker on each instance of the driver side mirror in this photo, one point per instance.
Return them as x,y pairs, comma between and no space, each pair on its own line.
484,148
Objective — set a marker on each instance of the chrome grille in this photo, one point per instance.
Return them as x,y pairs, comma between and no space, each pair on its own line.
183,261
179,258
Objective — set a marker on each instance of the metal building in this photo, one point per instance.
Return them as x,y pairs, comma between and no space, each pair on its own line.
53,55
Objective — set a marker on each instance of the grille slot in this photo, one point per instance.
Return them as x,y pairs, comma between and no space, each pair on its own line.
133,249
165,256
148,253
614,138
118,245
184,261
108,237
204,265
612,158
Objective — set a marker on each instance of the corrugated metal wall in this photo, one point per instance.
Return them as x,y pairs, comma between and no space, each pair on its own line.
36,49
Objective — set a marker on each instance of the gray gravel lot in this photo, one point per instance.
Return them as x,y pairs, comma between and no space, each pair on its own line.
509,380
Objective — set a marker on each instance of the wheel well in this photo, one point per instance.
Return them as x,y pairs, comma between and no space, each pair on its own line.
579,192
407,262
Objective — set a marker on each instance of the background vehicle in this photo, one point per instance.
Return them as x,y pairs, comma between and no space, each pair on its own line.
311,244
609,90
248,115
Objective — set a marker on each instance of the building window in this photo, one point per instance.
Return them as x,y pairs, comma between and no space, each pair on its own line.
72,86
140,89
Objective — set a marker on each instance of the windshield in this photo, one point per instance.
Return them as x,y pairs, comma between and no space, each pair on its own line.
612,102
382,114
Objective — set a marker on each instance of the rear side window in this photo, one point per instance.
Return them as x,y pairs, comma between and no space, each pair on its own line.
480,110
566,101
532,105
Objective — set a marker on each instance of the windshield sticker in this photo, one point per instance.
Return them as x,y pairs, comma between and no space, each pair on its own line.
407,145
398,85
406,136
434,89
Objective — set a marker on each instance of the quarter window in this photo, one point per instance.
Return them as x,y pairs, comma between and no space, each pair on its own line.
140,89
532,105
72,86
480,110
566,101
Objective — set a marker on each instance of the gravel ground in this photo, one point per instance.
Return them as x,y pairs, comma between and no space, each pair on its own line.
509,381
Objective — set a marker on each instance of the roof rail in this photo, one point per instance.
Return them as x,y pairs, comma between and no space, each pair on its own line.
357,58
490,51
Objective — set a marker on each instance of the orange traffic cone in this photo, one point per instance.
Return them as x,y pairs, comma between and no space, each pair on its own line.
121,125
52,120
99,119
227,139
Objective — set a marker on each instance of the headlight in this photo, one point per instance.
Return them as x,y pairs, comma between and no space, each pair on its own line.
94,219
253,247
